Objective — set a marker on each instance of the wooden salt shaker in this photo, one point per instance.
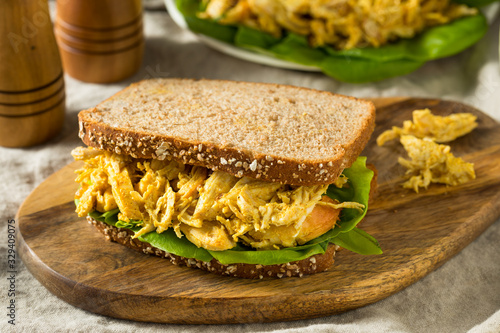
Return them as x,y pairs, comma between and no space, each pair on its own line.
32,95
100,41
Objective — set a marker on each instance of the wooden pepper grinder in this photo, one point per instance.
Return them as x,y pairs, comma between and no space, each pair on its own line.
32,97
100,41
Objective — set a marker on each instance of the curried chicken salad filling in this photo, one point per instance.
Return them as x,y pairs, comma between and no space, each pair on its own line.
350,40
215,211
344,24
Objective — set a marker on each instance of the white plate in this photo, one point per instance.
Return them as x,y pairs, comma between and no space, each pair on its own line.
233,50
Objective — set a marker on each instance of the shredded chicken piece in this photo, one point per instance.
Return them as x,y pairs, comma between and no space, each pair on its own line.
436,128
214,210
352,205
344,24
433,163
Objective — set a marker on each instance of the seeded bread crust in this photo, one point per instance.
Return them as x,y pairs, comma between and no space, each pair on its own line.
113,126
314,264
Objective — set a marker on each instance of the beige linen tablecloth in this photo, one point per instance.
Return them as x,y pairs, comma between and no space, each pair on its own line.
461,296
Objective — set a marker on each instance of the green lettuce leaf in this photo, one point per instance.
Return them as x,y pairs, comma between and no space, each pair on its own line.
169,242
356,65
475,3
166,241
210,28
358,241
358,190
357,70
243,254
359,187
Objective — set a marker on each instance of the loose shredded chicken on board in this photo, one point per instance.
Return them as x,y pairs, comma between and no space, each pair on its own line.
433,163
344,24
436,128
214,210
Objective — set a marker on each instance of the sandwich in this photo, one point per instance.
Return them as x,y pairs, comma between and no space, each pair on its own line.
243,179
349,40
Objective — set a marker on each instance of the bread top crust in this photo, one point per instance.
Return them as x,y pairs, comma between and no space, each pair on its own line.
271,132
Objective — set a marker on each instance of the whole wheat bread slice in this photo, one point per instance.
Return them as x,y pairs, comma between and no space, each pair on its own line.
271,132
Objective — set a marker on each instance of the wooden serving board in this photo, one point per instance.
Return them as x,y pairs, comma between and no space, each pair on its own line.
418,233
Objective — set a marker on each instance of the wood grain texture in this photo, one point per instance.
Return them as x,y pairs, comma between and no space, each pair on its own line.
101,67
32,95
98,14
99,35
32,129
29,58
106,46
100,41
418,233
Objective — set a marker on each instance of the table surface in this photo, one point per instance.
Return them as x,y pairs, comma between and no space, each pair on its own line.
461,296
